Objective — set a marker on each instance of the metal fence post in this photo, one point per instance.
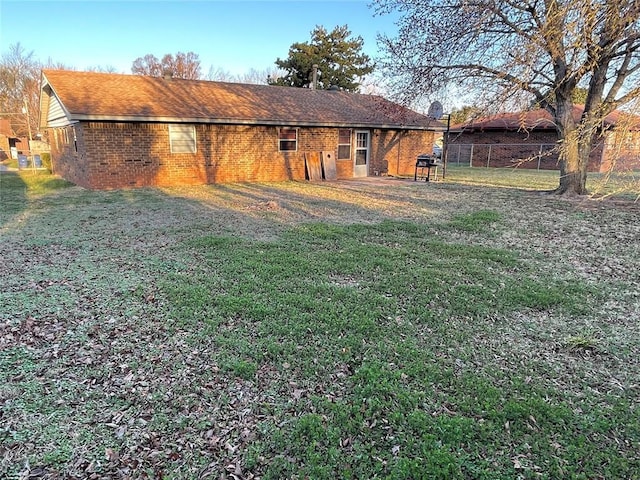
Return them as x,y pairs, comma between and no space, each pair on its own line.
539,156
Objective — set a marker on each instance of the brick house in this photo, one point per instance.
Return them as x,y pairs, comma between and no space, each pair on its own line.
113,131
529,140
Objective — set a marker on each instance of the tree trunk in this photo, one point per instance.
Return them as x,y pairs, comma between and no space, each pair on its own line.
575,148
574,159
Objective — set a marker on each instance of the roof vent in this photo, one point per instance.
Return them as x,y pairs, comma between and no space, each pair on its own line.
167,74
334,88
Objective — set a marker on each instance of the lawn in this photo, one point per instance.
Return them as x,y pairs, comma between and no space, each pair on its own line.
600,185
381,328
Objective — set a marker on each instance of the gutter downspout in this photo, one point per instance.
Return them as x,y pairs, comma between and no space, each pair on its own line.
398,159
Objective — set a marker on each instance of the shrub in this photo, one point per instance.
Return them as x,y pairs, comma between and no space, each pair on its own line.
46,160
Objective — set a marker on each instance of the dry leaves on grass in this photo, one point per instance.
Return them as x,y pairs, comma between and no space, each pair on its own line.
85,334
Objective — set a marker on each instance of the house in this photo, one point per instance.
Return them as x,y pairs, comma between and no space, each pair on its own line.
9,142
112,131
530,139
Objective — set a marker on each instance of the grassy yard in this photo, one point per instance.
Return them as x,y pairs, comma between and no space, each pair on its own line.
600,185
381,328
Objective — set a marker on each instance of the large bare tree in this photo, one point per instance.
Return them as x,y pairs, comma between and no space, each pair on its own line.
19,89
543,49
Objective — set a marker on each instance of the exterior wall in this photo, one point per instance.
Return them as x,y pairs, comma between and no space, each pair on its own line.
318,140
134,155
115,155
67,155
5,150
395,152
6,135
621,152
6,143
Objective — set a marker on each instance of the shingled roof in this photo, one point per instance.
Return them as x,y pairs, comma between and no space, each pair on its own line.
5,128
539,119
92,96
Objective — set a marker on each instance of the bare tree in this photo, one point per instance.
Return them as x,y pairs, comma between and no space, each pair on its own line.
260,77
182,65
374,84
220,75
19,89
52,65
523,49
148,65
253,76
102,69
465,113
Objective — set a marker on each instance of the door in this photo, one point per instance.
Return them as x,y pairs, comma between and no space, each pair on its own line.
361,159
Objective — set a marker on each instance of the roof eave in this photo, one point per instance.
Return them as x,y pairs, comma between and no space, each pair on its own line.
501,129
233,121
48,89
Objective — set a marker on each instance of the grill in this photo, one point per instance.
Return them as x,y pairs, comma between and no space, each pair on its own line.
426,162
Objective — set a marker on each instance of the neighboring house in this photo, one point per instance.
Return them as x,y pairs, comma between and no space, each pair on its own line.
112,131
530,140
8,141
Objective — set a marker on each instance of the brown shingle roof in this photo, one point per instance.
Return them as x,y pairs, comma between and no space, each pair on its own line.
539,119
105,96
535,119
5,128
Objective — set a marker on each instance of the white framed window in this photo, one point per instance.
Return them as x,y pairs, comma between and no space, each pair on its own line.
287,139
182,138
344,144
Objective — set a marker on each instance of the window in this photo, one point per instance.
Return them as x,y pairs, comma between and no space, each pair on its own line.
362,148
182,138
344,144
288,139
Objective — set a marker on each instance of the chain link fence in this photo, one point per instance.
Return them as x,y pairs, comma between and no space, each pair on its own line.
541,156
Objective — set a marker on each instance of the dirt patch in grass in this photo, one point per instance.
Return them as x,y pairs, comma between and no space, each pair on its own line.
376,328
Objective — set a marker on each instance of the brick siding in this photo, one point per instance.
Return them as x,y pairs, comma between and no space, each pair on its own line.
395,152
108,155
67,160
621,152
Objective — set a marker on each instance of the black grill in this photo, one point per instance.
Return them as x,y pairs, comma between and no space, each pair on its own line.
425,162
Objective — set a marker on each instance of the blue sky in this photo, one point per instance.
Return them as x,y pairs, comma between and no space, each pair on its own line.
234,36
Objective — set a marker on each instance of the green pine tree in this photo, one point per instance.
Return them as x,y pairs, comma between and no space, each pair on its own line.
338,56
